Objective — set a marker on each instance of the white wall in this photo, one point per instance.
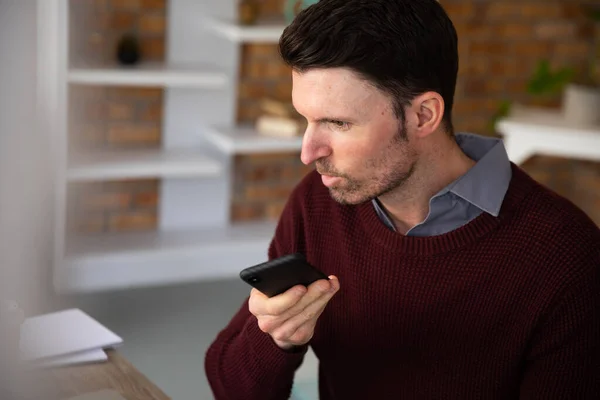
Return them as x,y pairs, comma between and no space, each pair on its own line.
25,173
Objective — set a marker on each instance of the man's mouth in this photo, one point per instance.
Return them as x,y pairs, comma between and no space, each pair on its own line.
326,173
329,180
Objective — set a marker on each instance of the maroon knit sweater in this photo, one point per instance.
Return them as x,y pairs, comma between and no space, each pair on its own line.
501,308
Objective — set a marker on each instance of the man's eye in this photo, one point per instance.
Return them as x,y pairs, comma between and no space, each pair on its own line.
339,125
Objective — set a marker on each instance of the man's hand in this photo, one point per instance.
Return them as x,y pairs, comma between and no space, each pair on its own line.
290,317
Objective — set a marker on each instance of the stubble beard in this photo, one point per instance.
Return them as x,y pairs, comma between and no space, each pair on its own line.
393,177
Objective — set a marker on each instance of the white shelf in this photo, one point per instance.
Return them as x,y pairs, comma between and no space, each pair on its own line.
113,261
149,74
528,131
133,164
261,32
245,140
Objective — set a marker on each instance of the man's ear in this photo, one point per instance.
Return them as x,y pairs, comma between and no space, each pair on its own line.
429,108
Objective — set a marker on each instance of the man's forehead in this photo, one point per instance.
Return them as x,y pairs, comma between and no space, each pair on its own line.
333,79
336,87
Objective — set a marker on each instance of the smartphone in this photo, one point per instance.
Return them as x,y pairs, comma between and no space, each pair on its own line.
278,275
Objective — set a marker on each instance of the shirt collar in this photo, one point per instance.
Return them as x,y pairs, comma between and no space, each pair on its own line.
485,184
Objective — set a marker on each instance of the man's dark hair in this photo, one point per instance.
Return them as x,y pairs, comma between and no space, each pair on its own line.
403,47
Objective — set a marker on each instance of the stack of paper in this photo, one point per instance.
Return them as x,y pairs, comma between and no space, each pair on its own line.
106,394
65,338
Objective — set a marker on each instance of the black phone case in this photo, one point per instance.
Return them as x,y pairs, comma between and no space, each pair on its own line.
276,276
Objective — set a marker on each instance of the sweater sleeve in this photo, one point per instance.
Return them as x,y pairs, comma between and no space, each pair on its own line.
245,363
564,358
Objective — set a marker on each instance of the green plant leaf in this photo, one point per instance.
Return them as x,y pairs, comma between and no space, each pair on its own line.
594,14
502,111
540,75
544,81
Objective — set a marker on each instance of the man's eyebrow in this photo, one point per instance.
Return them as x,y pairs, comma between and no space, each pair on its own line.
334,118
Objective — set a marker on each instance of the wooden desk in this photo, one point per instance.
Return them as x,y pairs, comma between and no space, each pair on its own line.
116,373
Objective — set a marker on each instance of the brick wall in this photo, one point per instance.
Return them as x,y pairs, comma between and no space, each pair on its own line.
501,43
263,181
114,206
100,23
578,181
115,117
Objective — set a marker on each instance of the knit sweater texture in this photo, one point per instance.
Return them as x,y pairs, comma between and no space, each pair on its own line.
504,307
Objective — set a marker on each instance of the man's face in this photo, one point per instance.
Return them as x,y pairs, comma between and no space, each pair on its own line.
358,145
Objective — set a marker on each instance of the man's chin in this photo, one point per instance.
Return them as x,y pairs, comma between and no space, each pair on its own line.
347,199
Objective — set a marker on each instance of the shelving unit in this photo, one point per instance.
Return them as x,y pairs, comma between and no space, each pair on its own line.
529,131
262,32
136,164
245,140
195,237
96,262
150,74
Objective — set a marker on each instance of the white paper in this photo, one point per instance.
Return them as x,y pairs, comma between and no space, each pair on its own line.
63,333
83,357
106,394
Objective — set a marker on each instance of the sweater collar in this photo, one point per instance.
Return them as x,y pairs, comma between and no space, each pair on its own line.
521,185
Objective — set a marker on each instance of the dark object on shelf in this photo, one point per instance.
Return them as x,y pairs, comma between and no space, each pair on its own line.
248,12
128,50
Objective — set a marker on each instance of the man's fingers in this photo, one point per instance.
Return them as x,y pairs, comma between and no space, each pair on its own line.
319,292
303,334
305,318
316,291
260,304
295,323
297,330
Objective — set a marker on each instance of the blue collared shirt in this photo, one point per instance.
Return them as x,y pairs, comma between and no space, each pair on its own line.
481,189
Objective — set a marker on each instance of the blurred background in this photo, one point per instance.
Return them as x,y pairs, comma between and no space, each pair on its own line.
147,148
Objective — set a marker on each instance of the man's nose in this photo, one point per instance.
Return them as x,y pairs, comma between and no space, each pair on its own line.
314,147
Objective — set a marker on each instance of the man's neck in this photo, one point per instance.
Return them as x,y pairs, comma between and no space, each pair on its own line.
409,205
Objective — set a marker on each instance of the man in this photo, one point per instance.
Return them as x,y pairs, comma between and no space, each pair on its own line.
454,275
